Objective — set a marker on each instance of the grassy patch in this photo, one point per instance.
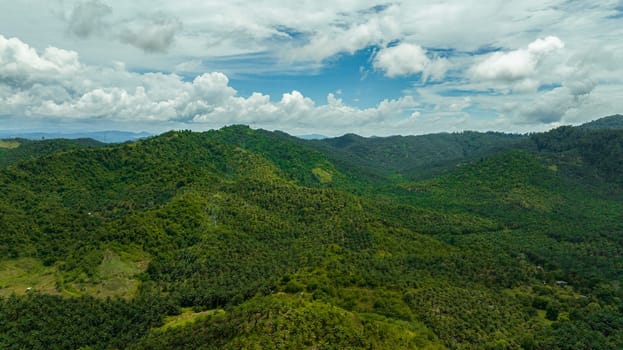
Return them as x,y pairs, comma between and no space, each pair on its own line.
16,276
322,175
188,316
116,275
541,316
9,144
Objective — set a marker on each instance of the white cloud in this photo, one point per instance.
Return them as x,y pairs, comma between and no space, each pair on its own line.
408,59
188,66
342,38
307,38
21,64
549,107
314,31
552,106
518,67
510,66
541,47
460,105
73,91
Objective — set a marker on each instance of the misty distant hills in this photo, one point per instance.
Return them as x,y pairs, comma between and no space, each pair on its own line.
110,136
312,137
20,149
115,136
414,156
423,156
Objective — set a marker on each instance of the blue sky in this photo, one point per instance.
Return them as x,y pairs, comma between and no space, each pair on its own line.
327,67
348,76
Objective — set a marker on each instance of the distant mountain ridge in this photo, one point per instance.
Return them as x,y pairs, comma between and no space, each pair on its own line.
420,156
18,149
312,137
413,156
114,136
108,136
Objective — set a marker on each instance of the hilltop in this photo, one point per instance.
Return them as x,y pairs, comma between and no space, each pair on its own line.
243,238
610,122
16,150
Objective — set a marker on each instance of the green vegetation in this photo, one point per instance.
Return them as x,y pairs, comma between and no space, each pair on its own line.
187,317
10,144
242,238
412,157
291,321
610,122
23,275
322,175
15,150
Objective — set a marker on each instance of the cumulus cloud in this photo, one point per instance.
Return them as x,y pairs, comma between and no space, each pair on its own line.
63,88
20,64
156,35
510,66
342,38
270,36
517,67
408,59
548,108
88,18
553,105
540,47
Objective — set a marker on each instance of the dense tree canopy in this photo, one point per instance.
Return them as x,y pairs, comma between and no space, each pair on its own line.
242,238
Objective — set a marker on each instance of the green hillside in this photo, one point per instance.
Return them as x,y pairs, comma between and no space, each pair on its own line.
610,122
414,157
240,238
591,156
15,150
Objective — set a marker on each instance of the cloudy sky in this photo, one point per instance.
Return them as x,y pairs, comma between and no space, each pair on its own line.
326,67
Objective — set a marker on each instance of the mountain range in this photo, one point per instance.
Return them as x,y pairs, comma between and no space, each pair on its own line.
109,136
240,238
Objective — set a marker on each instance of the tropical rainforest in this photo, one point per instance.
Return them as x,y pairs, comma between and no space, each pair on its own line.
250,239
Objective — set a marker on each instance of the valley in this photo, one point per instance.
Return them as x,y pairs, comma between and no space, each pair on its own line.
247,238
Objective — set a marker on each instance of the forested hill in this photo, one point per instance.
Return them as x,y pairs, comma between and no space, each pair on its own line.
16,150
241,238
413,156
594,156
419,157
610,122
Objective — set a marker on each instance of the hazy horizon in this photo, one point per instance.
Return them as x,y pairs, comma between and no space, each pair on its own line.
365,67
